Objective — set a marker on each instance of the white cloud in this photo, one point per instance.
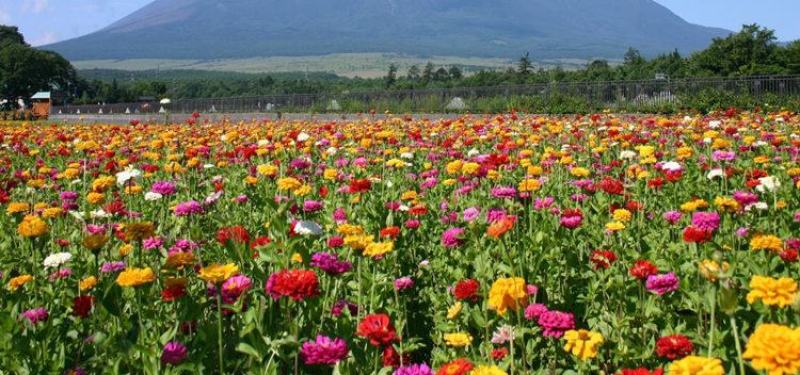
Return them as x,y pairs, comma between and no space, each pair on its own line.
47,37
35,6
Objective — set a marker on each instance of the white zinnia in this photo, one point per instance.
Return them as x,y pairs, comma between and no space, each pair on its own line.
672,166
769,183
305,228
127,175
715,173
303,136
627,154
151,196
99,214
56,260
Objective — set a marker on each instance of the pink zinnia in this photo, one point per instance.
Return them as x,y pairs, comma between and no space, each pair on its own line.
708,221
36,315
672,217
188,208
324,351
534,311
235,287
555,323
504,192
403,283
173,353
452,237
662,284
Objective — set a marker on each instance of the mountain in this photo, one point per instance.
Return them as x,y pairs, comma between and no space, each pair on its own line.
217,29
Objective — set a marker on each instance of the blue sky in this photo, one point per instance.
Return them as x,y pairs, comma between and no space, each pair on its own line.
47,21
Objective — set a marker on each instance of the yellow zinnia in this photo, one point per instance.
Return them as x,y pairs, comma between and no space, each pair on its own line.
507,293
458,339
766,242
487,370
217,273
775,349
16,282
583,344
772,292
378,248
32,226
693,365
133,277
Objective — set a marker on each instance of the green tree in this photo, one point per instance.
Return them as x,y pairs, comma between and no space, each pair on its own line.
391,76
455,73
524,66
750,51
25,70
413,73
427,73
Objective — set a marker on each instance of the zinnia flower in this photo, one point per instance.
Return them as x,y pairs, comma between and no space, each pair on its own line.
324,351
467,290
507,293
583,344
555,323
693,365
173,353
296,284
674,347
32,226
133,277
772,292
458,339
36,315
217,273
459,366
452,237
378,329
414,369
775,349
662,283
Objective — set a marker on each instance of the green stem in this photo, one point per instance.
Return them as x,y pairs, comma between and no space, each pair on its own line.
713,320
219,330
738,345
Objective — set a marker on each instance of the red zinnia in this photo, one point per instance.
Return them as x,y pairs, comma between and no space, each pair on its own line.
259,242
297,284
467,290
641,371
377,329
360,185
235,234
611,186
173,292
82,306
789,255
696,235
391,358
459,366
499,353
642,269
603,258
674,347
390,232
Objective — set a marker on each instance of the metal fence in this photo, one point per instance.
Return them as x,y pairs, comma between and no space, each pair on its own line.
631,95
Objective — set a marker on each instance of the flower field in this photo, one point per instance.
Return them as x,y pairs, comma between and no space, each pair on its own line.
602,244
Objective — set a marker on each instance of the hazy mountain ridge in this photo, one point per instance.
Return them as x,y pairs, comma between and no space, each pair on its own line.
214,29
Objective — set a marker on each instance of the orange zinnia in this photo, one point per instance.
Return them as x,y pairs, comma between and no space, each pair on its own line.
500,227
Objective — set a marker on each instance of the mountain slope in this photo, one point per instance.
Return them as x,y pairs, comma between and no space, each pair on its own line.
211,29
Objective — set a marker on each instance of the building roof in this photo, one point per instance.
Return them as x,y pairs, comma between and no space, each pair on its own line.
41,95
